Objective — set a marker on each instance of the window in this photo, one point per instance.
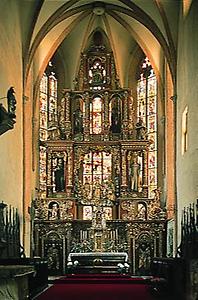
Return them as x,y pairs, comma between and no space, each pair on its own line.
184,130
96,167
96,116
48,117
147,112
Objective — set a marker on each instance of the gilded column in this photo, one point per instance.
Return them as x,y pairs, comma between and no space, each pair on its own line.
67,116
49,173
85,71
125,117
70,169
87,118
106,116
124,169
145,173
108,68
131,117
61,117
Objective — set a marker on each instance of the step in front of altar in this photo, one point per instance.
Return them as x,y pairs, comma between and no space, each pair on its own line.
98,262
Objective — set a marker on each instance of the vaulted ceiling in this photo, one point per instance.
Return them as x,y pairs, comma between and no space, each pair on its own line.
64,27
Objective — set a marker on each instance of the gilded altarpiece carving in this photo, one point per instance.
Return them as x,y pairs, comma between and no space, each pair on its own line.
93,192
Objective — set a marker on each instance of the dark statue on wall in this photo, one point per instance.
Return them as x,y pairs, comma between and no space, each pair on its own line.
141,131
78,121
115,120
59,176
11,101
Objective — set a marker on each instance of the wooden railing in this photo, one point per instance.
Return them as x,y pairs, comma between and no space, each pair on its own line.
9,232
189,232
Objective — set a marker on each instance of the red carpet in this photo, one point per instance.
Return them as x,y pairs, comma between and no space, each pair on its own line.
98,287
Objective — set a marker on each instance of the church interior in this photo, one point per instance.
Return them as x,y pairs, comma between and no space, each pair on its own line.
98,148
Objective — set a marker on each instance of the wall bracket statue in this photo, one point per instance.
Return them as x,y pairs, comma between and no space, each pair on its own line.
11,102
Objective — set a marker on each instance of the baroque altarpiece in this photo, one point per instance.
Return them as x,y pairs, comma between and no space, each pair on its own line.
98,167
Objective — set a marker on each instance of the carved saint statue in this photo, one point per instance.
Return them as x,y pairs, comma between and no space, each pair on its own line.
59,176
134,172
78,121
115,120
141,132
11,101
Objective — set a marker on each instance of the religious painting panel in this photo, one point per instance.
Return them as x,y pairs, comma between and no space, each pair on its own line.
57,170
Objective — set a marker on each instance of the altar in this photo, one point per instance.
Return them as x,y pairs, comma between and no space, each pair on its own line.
98,262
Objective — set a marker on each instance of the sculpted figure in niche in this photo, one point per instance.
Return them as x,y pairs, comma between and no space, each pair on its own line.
78,121
141,132
134,172
59,176
141,211
115,120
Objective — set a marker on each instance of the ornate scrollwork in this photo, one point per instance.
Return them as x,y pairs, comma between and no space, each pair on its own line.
130,208
54,209
155,211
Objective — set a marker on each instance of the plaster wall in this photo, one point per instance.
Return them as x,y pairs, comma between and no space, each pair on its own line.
11,142
187,95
